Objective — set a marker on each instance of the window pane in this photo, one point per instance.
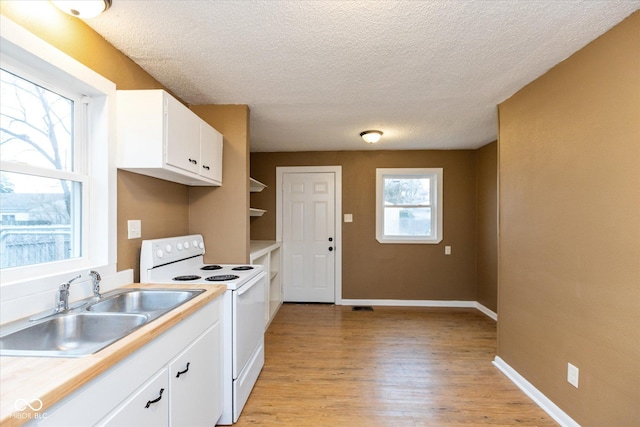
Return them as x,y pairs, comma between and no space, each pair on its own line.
407,221
36,125
407,191
40,219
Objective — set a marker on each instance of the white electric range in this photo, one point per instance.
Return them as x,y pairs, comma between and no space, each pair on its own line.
181,260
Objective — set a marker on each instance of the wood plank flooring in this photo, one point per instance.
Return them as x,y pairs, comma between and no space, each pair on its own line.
331,366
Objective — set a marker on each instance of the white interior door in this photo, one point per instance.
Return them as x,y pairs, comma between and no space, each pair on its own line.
309,236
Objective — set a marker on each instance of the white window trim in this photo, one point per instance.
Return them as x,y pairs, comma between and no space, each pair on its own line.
436,213
52,64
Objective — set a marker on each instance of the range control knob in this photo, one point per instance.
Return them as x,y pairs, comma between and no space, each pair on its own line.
168,248
179,246
201,245
159,253
195,243
186,245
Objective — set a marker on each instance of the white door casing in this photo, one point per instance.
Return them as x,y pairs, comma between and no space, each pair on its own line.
308,215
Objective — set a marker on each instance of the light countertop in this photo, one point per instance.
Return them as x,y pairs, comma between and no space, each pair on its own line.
50,379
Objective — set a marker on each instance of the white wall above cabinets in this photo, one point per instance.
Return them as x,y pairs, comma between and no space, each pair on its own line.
160,137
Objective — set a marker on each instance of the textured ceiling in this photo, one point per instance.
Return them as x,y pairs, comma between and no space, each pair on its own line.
429,74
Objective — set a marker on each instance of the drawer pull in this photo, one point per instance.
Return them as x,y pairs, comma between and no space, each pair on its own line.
183,372
155,400
195,162
205,167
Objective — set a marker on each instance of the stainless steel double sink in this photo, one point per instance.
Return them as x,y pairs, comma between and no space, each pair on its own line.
95,324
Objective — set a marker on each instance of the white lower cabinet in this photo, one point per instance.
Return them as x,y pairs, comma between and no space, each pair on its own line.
182,394
175,380
194,398
148,406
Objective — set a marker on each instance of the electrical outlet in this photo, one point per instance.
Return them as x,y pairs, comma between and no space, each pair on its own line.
134,229
447,250
572,375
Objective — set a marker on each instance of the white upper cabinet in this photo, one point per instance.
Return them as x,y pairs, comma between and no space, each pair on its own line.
182,142
160,137
210,152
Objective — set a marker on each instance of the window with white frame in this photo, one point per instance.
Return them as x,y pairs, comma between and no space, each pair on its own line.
57,180
43,171
409,205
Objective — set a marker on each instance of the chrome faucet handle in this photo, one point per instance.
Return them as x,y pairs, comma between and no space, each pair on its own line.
63,294
95,276
62,301
62,298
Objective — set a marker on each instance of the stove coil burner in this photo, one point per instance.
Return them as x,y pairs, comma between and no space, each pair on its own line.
186,277
243,268
222,278
211,267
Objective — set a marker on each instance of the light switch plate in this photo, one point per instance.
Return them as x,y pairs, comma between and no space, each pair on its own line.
447,250
134,229
348,217
572,375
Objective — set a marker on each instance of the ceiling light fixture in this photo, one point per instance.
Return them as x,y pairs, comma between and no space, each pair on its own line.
371,136
83,8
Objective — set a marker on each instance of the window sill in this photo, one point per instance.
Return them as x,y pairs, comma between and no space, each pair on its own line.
409,241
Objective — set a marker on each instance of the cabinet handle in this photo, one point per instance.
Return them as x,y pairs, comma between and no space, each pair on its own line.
195,162
185,371
205,167
330,248
155,400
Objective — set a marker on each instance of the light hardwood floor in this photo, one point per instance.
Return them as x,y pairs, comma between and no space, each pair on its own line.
330,366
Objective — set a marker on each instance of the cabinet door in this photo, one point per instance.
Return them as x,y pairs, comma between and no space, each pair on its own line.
182,136
210,152
196,382
148,406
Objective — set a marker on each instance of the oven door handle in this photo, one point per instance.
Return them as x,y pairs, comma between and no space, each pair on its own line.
248,286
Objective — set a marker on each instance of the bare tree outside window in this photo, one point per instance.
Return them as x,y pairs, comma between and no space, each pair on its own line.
38,207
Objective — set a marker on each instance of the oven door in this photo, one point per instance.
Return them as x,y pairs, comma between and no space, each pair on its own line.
248,321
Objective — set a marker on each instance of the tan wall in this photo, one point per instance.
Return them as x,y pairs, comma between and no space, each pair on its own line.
162,206
221,214
78,40
371,270
569,260
487,192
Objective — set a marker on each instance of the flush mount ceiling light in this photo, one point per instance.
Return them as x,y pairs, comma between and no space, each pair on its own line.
371,136
83,8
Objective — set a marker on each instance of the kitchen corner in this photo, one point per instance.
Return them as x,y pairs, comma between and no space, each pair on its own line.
40,384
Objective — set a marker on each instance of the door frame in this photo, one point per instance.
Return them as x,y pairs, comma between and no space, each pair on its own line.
337,171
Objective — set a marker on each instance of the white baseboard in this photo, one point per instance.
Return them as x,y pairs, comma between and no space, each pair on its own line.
540,399
492,314
421,303
409,303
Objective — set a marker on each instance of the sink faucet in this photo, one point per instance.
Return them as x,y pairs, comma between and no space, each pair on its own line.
95,276
63,295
